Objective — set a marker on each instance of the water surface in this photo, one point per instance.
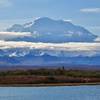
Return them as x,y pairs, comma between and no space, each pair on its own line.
50,93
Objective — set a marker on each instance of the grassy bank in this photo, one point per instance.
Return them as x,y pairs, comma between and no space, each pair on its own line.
49,77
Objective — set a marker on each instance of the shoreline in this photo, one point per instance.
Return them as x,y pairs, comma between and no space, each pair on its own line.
49,85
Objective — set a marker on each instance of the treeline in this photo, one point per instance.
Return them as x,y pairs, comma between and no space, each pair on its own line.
53,72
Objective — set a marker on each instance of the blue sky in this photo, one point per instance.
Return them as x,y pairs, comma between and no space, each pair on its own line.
82,12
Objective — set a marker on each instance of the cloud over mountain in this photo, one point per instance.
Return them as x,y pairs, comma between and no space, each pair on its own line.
54,49
12,35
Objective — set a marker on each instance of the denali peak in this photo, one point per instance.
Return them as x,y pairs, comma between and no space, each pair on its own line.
55,31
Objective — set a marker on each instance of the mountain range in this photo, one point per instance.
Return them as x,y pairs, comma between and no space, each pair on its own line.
48,42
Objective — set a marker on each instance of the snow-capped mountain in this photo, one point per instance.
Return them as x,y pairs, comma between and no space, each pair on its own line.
47,60
29,53
48,42
55,31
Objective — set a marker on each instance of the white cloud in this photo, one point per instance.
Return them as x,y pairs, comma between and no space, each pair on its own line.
58,49
70,46
67,20
90,10
94,27
97,39
5,3
11,35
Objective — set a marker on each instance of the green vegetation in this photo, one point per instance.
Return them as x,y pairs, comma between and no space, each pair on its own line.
49,76
53,72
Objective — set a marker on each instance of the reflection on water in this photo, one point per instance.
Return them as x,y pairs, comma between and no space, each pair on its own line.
50,93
